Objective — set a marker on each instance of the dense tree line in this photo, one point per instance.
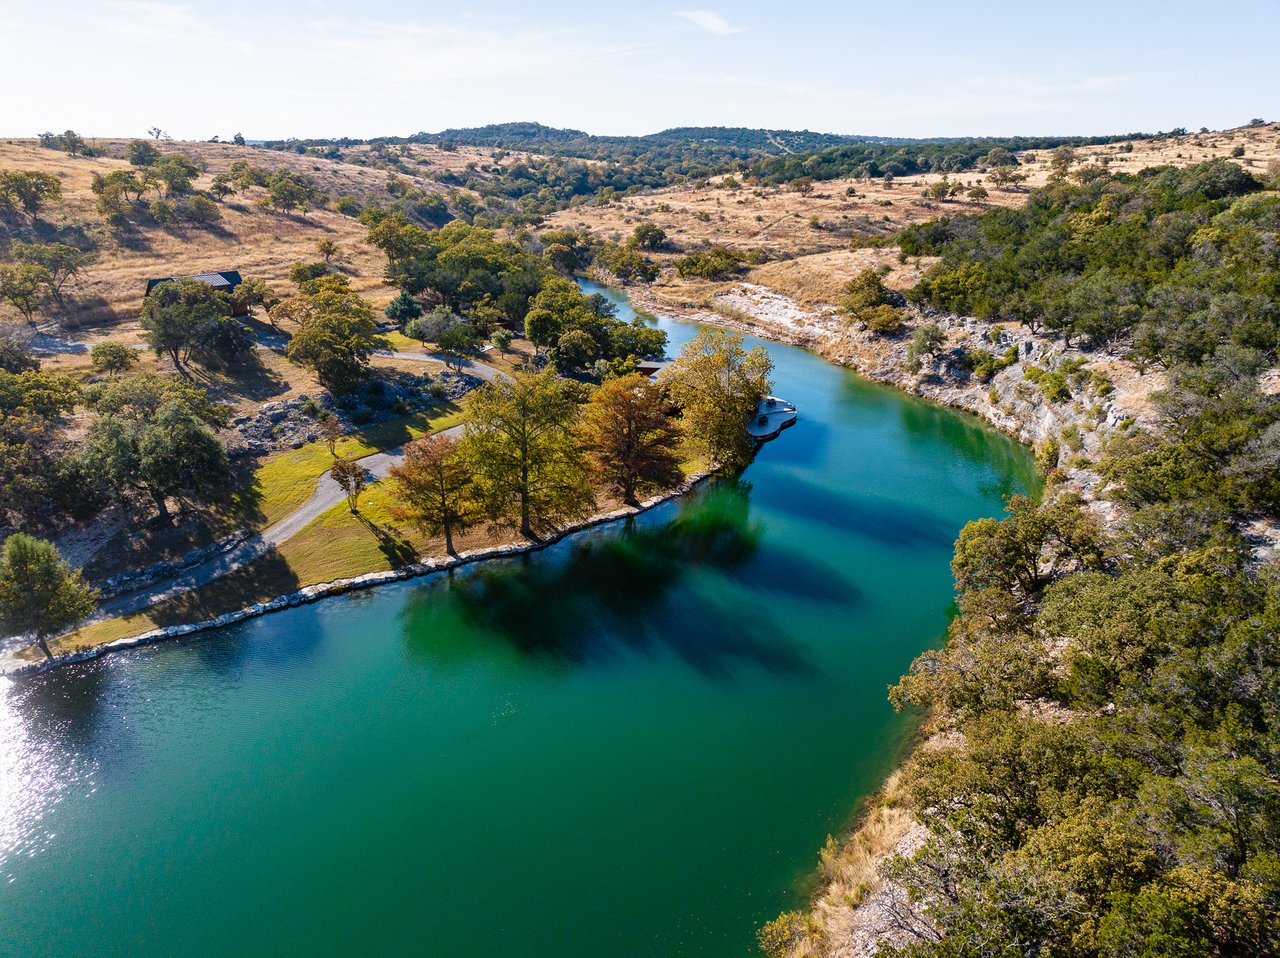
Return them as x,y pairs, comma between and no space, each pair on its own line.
1111,782
1170,264
876,160
1106,777
484,282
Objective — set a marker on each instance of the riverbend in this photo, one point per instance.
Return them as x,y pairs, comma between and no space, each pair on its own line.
633,742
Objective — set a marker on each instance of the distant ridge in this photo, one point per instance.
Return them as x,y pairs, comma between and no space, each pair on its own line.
744,141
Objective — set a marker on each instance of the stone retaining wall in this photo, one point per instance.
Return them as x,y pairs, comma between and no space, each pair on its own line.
313,593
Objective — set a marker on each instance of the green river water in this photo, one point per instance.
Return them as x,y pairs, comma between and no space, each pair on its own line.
631,744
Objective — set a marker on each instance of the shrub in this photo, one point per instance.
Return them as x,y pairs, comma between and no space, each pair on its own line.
647,236
1053,384
112,357
779,937
201,209
627,264
301,273
714,262
164,212
985,365
1047,453
883,319
925,341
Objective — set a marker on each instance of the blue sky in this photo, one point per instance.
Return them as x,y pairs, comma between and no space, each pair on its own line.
277,68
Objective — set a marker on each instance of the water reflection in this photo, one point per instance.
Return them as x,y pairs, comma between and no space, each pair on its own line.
671,587
969,440
886,522
64,707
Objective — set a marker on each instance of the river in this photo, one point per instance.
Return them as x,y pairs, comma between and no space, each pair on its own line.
631,744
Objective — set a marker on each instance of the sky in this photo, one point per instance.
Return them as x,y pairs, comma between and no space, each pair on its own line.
273,69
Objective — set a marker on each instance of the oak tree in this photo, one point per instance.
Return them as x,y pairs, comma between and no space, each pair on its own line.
718,383
529,470
40,594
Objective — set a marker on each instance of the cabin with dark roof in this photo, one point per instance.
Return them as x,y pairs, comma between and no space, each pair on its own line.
224,282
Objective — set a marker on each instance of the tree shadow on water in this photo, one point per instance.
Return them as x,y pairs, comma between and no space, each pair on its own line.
648,589
67,707
790,572
884,521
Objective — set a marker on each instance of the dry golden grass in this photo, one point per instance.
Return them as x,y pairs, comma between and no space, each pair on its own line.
808,237
849,870
777,220
819,278
428,159
248,238
1261,148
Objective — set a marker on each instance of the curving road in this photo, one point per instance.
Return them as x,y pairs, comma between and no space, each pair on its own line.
327,494
469,366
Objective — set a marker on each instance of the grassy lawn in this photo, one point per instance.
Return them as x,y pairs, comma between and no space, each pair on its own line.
287,479
401,343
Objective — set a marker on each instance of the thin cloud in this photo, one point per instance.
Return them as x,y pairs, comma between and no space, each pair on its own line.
143,21
710,21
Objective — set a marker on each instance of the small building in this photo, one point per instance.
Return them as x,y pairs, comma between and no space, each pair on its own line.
224,282
652,367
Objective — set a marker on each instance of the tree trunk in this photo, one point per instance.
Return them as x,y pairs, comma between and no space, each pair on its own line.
526,529
448,539
163,508
44,647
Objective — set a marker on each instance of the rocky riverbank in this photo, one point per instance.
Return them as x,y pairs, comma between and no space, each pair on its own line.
1104,394
1067,418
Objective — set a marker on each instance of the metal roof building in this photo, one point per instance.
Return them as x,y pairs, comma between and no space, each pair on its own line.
225,281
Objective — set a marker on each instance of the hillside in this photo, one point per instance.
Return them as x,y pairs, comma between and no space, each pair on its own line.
807,236
247,236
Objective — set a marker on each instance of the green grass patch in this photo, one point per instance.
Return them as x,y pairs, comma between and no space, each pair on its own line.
401,343
287,479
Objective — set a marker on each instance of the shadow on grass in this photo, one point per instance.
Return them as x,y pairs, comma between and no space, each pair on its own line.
398,551
396,432
646,590
246,377
242,504
265,578
92,311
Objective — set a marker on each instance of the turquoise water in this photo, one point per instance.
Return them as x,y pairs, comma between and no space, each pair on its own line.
631,744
